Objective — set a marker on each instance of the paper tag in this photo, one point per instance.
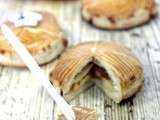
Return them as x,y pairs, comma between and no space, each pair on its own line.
26,18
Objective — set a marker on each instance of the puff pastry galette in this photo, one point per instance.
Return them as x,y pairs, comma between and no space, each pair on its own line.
82,113
115,69
43,38
118,14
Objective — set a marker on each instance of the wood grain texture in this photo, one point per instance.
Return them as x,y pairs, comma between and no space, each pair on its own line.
21,96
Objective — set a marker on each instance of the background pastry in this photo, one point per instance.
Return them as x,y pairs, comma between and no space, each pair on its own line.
119,71
118,14
39,32
82,113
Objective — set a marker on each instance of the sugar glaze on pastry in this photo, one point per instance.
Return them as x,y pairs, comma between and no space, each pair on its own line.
112,67
44,40
118,14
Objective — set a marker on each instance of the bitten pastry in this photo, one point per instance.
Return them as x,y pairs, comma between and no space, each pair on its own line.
82,113
119,71
39,32
118,14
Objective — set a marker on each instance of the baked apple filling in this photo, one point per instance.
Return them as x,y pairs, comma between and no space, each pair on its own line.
80,78
81,81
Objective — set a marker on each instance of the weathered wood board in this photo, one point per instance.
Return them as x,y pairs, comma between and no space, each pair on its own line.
22,98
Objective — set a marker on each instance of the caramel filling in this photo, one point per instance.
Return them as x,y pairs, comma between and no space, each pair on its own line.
103,75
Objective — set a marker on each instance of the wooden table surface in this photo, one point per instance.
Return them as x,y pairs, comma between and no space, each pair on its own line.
22,98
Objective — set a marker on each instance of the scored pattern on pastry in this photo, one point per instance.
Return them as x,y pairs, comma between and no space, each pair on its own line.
118,14
44,41
118,69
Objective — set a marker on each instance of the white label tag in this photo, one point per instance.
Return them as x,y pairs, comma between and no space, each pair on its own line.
26,18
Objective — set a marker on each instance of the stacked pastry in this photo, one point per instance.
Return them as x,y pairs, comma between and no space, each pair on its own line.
118,70
118,14
39,32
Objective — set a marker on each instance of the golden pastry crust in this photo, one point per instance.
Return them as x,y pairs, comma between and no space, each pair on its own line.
118,14
121,64
40,40
82,113
70,61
